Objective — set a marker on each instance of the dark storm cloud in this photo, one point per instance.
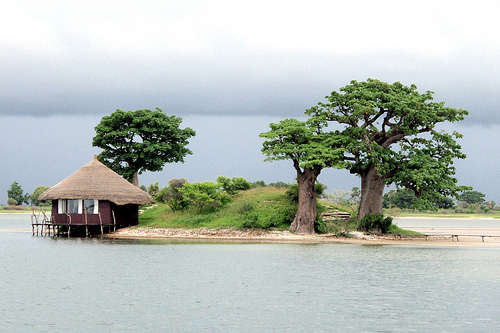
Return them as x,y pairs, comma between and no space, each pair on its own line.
251,84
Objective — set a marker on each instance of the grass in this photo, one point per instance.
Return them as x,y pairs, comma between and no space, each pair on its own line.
262,208
258,208
23,209
395,230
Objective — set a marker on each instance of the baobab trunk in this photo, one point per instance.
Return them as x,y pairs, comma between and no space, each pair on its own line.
372,193
307,209
135,179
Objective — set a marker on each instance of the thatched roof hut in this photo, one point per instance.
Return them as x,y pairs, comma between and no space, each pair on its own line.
96,181
95,196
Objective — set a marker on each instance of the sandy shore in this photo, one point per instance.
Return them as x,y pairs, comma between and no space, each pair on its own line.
259,236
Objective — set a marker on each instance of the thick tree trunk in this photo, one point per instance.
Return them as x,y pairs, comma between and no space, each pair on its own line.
135,179
372,193
307,210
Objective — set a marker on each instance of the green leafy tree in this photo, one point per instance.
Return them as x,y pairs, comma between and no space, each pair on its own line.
402,198
153,189
472,197
259,183
16,192
142,140
390,137
234,185
280,184
36,194
311,149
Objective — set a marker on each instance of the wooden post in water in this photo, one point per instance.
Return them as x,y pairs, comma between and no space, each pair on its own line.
100,221
86,225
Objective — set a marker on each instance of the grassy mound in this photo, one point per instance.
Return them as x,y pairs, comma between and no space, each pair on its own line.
263,208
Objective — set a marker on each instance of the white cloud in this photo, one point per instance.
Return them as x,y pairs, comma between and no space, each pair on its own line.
166,29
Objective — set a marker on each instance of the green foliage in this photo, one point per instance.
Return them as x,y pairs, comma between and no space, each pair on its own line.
305,143
11,201
472,197
234,185
172,195
16,192
375,223
36,194
204,197
136,141
402,198
280,184
390,128
259,183
153,189
406,199
264,207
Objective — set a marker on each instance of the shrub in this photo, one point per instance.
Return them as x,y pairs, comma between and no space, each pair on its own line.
280,215
234,185
204,197
11,201
172,195
375,223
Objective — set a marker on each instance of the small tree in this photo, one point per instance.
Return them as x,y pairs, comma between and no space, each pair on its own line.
472,197
311,149
36,194
234,185
142,140
153,189
16,192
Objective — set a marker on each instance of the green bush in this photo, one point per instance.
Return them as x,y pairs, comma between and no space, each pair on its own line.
280,216
172,195
234,185
204,197
375,223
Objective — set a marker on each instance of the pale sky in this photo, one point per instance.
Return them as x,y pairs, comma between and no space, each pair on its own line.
229,68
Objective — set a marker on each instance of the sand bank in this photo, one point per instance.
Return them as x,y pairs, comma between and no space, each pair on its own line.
260,236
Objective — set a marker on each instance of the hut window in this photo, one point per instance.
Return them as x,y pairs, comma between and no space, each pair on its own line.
69,206
90,206
74,207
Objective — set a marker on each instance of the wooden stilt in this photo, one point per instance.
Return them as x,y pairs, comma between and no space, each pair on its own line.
86,225
100,221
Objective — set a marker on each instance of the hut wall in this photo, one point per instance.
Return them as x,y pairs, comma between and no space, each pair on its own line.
125,215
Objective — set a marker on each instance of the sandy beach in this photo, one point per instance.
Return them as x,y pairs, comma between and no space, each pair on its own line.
469,237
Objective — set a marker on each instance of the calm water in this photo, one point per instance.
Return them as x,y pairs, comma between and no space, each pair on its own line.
98,285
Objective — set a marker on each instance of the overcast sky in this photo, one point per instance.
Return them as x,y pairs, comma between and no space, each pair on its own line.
229,68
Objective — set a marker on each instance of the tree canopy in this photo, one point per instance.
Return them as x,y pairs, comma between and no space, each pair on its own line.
17,195
142,140
390,136
472,197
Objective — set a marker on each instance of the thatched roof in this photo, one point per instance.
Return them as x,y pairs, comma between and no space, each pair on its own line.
96,181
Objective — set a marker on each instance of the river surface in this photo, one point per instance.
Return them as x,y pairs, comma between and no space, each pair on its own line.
100,285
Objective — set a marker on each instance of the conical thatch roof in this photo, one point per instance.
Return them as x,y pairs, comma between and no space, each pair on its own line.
96,181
